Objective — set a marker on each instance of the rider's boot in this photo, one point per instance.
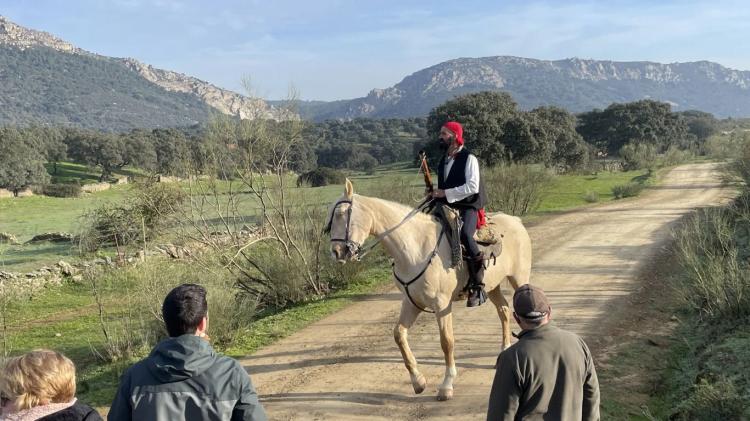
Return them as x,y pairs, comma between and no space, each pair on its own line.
477,296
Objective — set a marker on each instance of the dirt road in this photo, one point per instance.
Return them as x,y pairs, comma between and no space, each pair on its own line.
347,366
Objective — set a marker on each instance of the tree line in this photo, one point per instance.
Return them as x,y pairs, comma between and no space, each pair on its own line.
495,129
498,132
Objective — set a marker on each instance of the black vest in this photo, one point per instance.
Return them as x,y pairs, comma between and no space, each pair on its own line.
457,177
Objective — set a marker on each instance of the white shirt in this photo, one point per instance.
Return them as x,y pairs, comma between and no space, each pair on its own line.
472,179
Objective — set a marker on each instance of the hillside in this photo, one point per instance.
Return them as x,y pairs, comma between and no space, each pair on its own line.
46,80
575,84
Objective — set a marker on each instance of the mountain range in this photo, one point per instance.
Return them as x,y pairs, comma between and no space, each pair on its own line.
46,80
575,84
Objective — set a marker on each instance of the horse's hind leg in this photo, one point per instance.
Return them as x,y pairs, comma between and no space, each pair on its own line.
445,324
406,319
503,310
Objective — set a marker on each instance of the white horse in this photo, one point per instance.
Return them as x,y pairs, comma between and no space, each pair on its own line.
422,259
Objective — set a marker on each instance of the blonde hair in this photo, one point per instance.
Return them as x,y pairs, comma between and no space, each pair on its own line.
38,377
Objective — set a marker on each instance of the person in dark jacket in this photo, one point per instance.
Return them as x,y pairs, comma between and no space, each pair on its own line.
548,374
460,187
41,386
183,378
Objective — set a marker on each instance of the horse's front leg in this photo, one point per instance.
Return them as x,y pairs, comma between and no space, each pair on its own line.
406,319
503,311
445,324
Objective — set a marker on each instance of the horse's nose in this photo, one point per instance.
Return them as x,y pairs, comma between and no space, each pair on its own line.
338,252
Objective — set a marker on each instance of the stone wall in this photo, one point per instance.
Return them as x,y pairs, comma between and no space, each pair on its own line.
92,188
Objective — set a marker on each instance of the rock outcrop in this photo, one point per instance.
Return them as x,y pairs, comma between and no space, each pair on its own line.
227,102
18,36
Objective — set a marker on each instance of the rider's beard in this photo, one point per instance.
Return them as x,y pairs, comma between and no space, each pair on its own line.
443,145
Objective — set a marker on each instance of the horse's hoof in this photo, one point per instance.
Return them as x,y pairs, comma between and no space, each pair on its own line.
445,394
420,385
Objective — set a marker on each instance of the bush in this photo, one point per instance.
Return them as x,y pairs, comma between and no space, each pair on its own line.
726,146
591,196
61,190
515,189
622,191
637,155
142,213
740,167
718,400
321,177
675,156
155,201
712,247
134,333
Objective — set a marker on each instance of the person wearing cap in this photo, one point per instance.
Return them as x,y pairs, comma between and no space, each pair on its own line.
548,374
460,187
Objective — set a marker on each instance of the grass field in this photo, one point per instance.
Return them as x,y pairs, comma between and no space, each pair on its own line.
28,216
70,172
569,191
25,217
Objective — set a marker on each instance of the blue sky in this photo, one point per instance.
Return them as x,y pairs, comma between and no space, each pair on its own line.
335,49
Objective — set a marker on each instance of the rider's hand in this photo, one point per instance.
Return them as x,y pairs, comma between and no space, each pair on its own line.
438,193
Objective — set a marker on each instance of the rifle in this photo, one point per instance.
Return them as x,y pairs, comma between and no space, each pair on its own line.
425,168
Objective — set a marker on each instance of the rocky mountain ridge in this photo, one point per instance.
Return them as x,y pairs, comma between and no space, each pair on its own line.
574,83
21,37
225,101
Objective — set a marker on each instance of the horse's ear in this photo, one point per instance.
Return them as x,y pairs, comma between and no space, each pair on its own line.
349,189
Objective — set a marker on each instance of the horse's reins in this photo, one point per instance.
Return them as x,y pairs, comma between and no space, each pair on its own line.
358,252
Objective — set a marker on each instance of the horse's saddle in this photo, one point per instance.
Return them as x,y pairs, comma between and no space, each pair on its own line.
489,241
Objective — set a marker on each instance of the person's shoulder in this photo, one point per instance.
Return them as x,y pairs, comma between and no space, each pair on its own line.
229,363
511,354
571,338
88,413
137,367
78,412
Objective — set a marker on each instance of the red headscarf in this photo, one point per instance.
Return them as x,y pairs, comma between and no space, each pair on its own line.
456,128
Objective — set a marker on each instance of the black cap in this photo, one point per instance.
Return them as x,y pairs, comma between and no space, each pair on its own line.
529,302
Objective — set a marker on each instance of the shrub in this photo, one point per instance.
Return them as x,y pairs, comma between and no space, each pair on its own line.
740,167
144,211
155,201
637,155
711,247
726,146
621,191
719,400
515,189
591,196
674,156
61,190
133,333
321,177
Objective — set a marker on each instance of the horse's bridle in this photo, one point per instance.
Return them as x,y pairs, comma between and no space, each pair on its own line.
352,246
356,250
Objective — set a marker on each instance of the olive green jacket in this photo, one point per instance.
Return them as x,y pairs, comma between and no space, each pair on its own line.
548,374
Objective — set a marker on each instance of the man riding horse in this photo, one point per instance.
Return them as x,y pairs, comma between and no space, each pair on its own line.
460,187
